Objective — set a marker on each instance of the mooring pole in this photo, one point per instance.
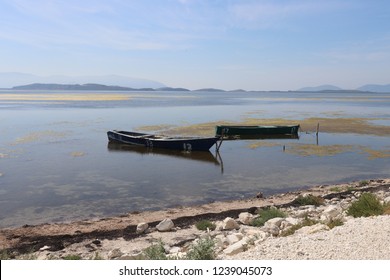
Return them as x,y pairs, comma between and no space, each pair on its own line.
220,142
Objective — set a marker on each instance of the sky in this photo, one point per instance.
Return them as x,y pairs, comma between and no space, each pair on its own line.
231,44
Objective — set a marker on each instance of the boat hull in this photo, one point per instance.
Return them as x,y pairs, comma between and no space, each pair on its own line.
162,142
255,131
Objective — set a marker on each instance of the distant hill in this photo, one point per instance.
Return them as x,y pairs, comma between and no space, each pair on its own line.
375,88
38,86
365,88
11,79
320,88
210,89
171,89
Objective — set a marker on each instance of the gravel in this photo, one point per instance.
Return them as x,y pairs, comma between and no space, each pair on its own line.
358,239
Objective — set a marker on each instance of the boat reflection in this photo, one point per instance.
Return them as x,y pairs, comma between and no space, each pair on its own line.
203,156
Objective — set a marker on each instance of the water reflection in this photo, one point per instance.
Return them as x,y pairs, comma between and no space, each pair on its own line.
202,156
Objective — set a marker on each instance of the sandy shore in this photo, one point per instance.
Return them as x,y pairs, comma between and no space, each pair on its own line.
120,232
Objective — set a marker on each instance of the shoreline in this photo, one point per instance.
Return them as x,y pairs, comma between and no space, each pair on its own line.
48,239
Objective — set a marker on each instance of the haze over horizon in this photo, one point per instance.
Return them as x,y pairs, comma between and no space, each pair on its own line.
253,45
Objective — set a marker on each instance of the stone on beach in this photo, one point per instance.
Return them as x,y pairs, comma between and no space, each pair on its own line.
229,224
165,225
142,227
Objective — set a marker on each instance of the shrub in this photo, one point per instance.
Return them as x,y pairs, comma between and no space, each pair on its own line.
308,200
155,252
202,250
205,224
363,183
367,205
267,214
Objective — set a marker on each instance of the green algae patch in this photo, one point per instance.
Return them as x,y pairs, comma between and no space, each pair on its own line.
39,136
260,144
316,150
375,154
77,154
309,125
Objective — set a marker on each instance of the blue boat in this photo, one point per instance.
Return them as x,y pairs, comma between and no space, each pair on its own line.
162,142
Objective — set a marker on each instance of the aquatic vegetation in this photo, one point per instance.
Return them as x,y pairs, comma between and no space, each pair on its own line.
259,144
374,154
332,125
77,154
39,136
317,150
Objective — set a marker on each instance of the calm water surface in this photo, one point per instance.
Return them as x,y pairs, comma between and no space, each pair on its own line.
56,164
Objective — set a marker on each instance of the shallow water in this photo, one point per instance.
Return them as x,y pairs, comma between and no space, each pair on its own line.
56,164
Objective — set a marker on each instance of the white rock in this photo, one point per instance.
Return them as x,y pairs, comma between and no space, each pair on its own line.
174,250
233,238
273,230
44,248
312,229
141,227
387,199
332,211
221,242
246,218
237,247
275,222
115,253
165,225
229,224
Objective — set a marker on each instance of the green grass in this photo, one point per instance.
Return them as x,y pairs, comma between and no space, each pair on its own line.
367,205
267,214
308,200
205,224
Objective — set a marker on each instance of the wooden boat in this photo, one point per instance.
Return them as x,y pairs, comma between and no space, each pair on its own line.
164,142
253,131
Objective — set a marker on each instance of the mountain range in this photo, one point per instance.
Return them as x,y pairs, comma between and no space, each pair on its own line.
12,79
370,88
18,81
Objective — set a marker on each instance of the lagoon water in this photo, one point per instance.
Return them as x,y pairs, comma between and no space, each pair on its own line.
56,164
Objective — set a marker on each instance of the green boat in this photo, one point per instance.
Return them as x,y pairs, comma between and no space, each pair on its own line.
249,131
